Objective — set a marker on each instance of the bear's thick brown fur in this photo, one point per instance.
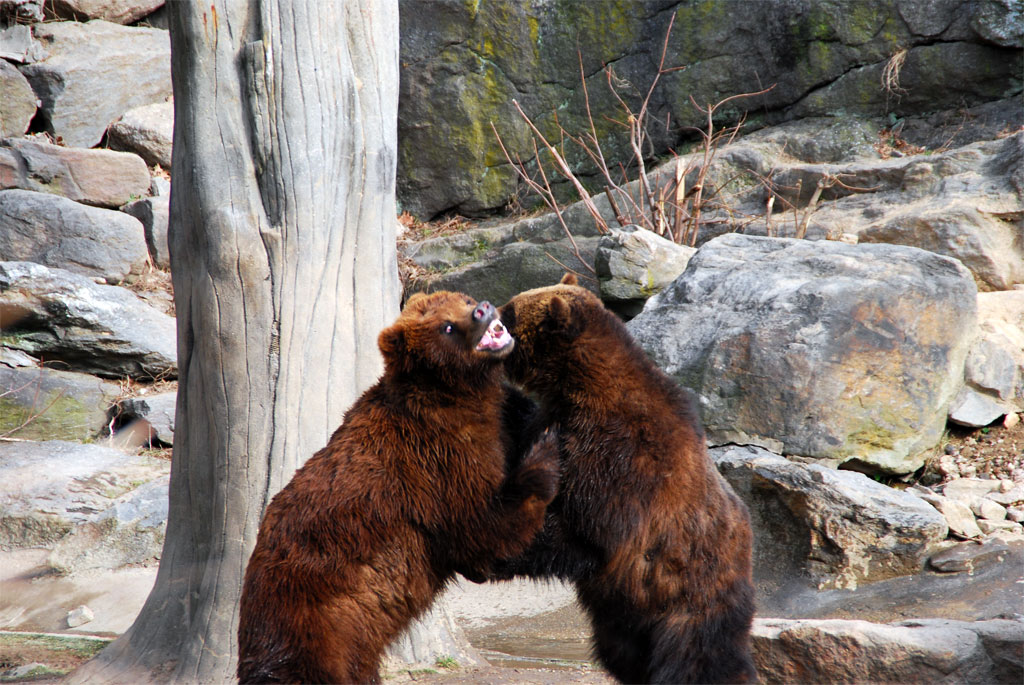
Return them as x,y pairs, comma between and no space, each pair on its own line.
410,488
653,538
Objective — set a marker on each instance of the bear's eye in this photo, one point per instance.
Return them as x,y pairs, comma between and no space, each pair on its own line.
447,329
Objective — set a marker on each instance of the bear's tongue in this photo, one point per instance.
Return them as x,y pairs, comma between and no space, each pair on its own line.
495,337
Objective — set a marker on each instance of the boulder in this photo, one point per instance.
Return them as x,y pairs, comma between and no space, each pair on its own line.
104,178
39,403
17,107
632,264
837,529
94,73
847,353
154,214
57,232
100,329
148,131
921,651
53,487
117,11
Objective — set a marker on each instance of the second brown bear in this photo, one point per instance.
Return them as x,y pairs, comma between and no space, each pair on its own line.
653,538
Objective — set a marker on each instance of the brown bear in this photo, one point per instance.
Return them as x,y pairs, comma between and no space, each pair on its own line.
653,538
411,488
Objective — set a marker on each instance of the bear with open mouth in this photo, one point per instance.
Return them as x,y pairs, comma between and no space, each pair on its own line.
409,490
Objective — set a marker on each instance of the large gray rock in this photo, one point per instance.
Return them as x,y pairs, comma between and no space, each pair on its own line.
93,506
38,403
923,651
148,131
836,529
94,73
465,63
117,11
848,353
18,105
99,329
57,232
104,178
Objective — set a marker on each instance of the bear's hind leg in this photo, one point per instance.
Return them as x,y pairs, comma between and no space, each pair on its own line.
712,649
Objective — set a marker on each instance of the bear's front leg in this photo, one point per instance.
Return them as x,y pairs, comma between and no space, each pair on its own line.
516,512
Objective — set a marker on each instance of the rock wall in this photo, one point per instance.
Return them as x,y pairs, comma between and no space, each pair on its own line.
465,63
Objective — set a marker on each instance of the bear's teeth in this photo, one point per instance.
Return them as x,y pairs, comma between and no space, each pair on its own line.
495,337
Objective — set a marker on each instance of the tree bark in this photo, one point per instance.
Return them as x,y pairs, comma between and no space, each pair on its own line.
284,271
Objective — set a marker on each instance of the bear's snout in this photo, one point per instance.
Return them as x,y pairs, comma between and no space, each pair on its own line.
484,312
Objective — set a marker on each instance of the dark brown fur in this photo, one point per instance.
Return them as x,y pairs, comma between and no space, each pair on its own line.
653,538
410,488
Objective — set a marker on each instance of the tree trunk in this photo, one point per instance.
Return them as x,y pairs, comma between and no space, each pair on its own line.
284,270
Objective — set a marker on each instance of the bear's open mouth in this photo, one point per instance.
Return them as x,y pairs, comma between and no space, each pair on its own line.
495,338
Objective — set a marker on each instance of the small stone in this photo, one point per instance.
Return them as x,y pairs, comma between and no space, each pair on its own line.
1011,420
25,670
948,467
987,509
950,448
1005,485
1014,514
80,616
1007,498
958,517
968,471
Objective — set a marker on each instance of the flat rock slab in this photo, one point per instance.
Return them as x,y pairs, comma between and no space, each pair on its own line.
824,527
846,353
836,651
52,487
104,178
57,232
99,329
992,589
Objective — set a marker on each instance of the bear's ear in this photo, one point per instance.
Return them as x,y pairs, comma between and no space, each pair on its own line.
559,312
569,279
413,299
391,342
